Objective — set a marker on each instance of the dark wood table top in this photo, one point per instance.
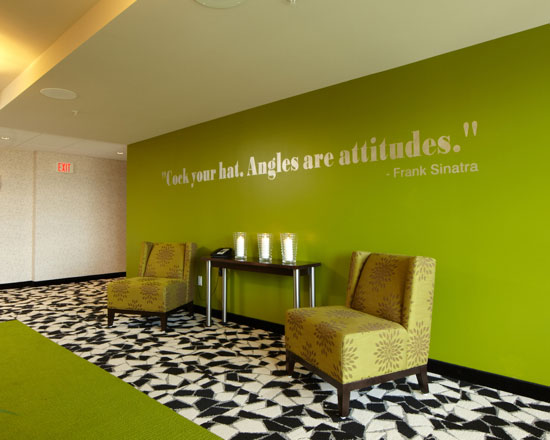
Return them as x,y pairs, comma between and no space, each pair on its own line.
276,266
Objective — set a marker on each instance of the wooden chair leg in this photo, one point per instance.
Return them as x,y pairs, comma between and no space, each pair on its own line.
110,317
290,361
163,321
422,378
343,400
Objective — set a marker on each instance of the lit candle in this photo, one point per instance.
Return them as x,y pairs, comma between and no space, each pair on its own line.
240,246
265,248
289,251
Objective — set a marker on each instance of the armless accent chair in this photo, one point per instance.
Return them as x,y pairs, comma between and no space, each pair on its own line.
165,282
381,334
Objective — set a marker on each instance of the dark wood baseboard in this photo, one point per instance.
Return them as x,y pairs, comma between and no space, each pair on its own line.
61,280
491,380
245,320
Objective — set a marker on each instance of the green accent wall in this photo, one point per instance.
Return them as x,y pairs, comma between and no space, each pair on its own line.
486,223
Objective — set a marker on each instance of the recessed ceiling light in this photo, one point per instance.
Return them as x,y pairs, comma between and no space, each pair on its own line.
220,3
120,152
56,93
5,138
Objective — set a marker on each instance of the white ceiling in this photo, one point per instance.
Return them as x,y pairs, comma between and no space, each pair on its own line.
162,65
29,27
32,141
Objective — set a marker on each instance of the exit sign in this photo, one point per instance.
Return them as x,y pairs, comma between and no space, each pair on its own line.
64,167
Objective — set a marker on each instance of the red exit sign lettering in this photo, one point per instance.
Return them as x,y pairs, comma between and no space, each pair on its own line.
64,167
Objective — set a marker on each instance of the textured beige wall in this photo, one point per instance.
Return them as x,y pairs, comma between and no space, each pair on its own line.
80,218
55,225
16,210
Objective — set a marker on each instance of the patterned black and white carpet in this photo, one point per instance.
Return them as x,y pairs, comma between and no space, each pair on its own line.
231,380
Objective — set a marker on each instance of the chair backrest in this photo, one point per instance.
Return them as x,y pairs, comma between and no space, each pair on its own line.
165,260
393,287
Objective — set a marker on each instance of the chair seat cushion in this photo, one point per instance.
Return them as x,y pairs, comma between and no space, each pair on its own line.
146,294
347,344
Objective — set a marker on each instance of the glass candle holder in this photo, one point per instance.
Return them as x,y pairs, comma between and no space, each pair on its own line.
289,247
239,240
264,247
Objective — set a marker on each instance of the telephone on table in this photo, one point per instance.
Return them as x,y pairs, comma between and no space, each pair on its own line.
222,253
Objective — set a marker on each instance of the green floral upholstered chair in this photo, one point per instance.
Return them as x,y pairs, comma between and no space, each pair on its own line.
381,334
164,283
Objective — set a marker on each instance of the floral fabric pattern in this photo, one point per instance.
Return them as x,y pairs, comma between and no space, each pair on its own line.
381,285
374,326
349,358
157,293
135,305
389,351
351,344
149,291
309,353
120,291
419,344
382,272
166,260
340,347
430,299
325,336
424,268
146,294
145,251
165,254
174,271
342,314
296,319
389,307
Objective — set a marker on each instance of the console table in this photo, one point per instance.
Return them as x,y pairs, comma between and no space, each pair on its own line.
275,267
